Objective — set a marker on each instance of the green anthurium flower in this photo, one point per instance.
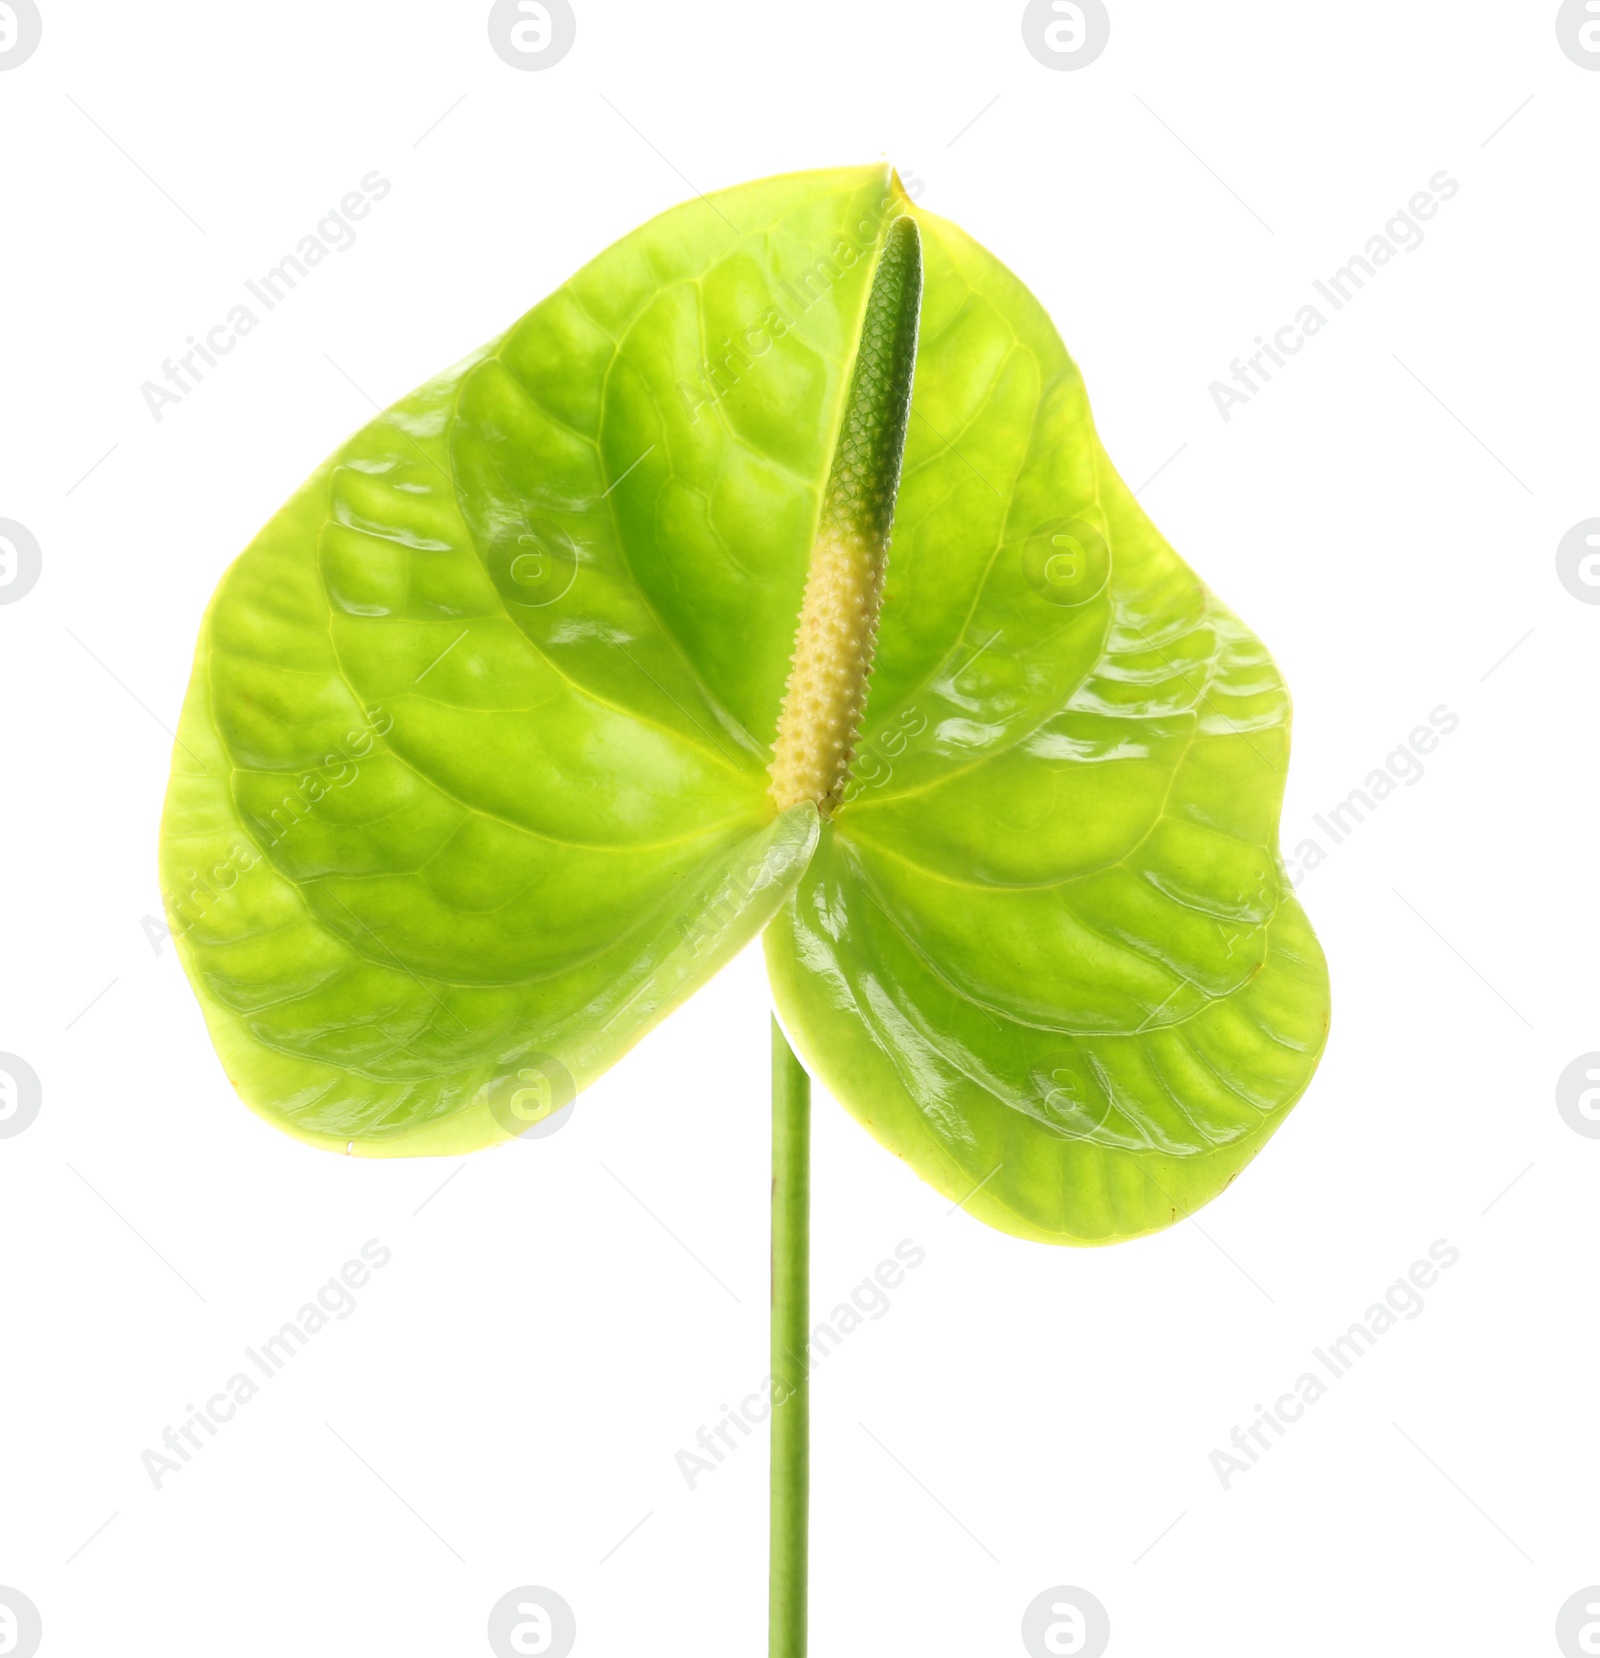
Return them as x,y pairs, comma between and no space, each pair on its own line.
548,692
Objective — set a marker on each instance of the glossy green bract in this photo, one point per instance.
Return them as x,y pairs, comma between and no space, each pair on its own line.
470,785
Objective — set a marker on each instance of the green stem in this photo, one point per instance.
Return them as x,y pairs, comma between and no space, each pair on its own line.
791,1316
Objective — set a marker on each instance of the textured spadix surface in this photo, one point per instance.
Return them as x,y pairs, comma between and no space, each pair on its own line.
472,777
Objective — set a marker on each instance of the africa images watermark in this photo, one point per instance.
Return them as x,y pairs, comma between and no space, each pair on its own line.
793,297
868,1300
334,1300
1401,234
334,233
1402,764
204,887
732,897
1402,1299
874,760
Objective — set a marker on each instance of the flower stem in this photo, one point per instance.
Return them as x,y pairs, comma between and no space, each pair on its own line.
791,1315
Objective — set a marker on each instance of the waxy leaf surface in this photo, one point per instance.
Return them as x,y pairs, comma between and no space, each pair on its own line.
471,780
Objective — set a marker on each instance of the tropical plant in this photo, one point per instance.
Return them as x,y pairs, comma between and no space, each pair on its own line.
503,738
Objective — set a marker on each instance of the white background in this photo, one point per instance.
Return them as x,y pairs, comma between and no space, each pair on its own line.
521,1374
